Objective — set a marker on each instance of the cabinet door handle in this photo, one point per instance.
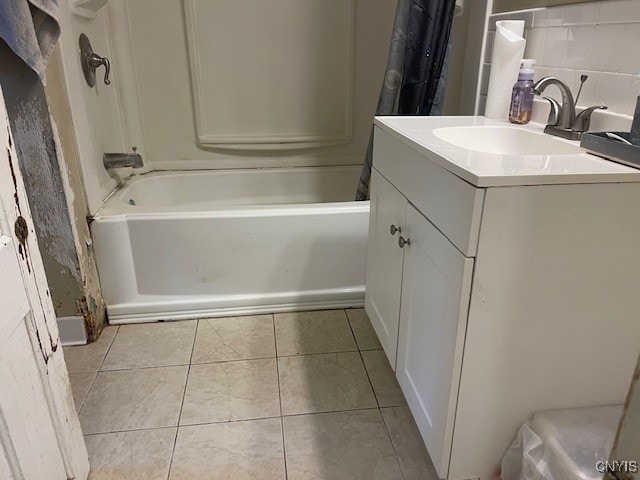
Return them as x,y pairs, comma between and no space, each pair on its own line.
395,229
402,242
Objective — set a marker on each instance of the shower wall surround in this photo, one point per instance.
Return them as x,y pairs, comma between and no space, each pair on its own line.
258,79
598,39
244,94
96,112
287,84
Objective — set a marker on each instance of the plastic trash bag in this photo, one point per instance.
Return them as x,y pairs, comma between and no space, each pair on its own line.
527,458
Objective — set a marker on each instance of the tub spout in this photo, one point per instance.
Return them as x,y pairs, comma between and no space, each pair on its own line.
120,160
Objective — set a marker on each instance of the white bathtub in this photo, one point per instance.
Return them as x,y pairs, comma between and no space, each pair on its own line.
175,245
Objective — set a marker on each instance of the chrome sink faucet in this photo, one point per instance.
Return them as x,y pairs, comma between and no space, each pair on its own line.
567,124
121,160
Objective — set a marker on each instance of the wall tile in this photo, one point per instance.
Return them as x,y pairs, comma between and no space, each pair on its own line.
606,48
635,93
619,11
554,47
606,120
563,74
581,14
579,46
547,17
630,49
597,39
615,91
541,72
488,48
526,15
495,18
535,44
484,79
589,94
482,102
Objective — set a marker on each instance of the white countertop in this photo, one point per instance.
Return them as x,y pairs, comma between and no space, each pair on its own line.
489,169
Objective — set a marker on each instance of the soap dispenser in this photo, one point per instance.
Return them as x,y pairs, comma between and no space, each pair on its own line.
522,95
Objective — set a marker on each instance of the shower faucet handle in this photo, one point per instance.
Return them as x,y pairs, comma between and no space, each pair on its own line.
91,60
96,61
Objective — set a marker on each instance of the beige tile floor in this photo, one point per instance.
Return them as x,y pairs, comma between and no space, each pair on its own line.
296,396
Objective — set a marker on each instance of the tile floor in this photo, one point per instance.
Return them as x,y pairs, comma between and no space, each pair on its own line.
297,396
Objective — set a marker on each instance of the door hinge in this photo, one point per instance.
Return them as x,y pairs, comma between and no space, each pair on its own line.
21,229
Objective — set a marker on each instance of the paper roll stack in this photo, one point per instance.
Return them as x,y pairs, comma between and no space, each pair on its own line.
508,50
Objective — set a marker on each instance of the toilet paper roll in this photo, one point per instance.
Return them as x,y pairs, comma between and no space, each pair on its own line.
508,50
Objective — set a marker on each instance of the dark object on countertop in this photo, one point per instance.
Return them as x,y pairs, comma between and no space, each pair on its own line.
601,144
635,126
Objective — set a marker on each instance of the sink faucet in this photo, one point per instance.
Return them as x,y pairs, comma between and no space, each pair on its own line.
568,125
120,160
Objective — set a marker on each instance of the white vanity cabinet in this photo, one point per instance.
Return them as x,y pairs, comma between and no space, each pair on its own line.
384,275
417,300
436,284
507,298
417,293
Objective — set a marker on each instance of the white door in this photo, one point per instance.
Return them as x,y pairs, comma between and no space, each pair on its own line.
384,262
436,285
40,436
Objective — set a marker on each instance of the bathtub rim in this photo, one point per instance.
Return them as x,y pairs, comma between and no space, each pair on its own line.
276,210
114,203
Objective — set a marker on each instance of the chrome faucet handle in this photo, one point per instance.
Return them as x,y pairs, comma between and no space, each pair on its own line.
91,60
583,119
96,61
554,112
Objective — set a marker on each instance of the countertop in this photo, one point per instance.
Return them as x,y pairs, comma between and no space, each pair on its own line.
489,169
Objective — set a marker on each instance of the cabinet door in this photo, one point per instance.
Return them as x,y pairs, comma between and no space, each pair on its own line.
433,315
384,262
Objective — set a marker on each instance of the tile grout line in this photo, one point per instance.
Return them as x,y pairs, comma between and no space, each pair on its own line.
353,333
386,427
317,353
395,452
242,420
366,370
109,349
184,394
147,367
84,400
329,411
241,359
127,431
284,448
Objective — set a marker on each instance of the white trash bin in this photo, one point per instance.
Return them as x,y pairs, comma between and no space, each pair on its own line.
563,445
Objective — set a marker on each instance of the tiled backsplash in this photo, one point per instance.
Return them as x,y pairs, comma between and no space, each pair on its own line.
601,40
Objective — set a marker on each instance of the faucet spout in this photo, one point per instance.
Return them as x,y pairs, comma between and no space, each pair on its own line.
121,160
567,114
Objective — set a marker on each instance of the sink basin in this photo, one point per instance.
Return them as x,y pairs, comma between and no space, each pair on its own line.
505,141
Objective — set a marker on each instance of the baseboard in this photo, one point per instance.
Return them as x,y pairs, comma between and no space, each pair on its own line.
232,312
72,331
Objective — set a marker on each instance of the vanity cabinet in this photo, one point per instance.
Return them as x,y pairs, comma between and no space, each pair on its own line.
436,283
499,298
417,296
384,272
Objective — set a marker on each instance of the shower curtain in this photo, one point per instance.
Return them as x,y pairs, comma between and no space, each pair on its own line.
417,55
